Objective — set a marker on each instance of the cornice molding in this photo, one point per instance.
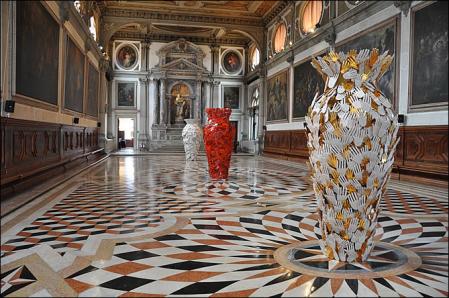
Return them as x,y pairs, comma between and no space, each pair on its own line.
170,38
404,6
155,15
275,12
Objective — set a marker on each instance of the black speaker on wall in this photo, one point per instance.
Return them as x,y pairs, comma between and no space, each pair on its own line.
401,118
76,120
9,106
98,124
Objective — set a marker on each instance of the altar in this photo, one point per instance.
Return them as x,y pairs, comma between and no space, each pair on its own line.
183,91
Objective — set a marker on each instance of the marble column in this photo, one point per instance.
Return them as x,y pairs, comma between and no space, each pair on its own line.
162,103
143,129
215,56
197,114
145,55
155,101
192,102
207,100
110,126
103,100
215,94
262,103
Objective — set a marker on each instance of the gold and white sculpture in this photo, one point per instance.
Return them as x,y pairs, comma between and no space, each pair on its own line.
352,137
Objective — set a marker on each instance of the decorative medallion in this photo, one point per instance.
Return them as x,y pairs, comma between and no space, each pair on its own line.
231,62
126,56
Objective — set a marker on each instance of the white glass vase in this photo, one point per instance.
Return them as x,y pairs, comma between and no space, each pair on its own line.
352,137
192,136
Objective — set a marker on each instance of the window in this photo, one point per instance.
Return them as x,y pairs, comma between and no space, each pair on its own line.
255,57
93,27
279,38
311,16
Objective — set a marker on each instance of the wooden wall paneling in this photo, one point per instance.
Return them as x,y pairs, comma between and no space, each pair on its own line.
29,147
91,139
73,147
399,154
422,150
425,149
277,142
298,144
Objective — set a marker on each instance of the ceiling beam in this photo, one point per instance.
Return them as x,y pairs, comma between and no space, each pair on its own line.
253,6
114,15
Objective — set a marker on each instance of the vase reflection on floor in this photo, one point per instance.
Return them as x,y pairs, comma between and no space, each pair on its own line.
351,132
218,142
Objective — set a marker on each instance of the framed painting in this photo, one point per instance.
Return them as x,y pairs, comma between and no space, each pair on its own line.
429,74
126,94
92,91
74,77
126,56
231,62
384,37
37,52
307,83
277,97
231,97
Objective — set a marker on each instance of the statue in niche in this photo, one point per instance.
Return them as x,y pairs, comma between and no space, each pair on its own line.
180,108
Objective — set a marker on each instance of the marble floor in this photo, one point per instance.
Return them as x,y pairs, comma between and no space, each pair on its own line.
148,226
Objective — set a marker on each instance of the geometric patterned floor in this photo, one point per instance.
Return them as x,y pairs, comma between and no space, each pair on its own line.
152,226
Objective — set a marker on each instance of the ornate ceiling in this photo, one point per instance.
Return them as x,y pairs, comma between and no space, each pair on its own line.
221,22
247,9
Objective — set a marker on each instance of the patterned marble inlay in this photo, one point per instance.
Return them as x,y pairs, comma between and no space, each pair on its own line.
230,190
152,225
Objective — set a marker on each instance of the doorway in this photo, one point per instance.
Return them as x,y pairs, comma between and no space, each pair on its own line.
125,133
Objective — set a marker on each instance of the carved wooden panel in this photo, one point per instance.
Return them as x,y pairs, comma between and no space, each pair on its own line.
298,143
72,144
399,154
28,147
91,139
421,150
277,141
425,148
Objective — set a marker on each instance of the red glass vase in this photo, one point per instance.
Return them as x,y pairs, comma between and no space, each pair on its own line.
218,141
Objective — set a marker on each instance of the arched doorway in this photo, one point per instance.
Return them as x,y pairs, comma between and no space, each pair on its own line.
180,103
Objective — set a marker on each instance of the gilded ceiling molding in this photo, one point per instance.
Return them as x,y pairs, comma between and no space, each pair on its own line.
276,11
153,15
169,38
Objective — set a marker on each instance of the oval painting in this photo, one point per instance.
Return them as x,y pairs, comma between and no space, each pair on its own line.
232,62
127,57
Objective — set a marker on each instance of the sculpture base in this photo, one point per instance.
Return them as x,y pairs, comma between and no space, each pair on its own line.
307,258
